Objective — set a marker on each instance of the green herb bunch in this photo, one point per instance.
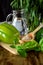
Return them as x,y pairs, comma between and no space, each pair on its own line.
20,4
35,16
29,46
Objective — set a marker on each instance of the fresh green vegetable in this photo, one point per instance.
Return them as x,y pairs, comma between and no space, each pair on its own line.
11,27
37,48
22,49
29,45
20,4
8,33
39,35
41,44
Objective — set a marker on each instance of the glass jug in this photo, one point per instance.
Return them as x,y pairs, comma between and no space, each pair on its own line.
19,21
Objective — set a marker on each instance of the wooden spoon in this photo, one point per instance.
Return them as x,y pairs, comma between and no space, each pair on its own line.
31,35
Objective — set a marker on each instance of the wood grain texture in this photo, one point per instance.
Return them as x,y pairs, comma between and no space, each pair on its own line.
33,58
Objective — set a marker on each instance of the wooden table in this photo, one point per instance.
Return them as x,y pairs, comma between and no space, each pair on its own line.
11,57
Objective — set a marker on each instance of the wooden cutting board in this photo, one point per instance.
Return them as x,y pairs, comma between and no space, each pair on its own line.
8,48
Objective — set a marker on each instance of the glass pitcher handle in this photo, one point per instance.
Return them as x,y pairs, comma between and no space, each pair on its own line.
8,17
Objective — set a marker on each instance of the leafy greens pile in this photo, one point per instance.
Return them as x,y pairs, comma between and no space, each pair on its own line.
28,46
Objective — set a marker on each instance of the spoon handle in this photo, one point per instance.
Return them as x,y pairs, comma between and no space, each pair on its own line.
31,35
38,28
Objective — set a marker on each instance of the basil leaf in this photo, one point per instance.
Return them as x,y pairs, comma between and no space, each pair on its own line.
21,51
30,45
41,44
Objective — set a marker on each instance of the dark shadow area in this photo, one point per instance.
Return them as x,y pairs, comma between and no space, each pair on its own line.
5,9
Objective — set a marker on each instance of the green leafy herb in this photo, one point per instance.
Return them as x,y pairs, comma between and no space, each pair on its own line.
21,51
41,44
30,45
39,35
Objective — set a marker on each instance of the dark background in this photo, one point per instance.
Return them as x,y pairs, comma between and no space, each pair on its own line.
5,9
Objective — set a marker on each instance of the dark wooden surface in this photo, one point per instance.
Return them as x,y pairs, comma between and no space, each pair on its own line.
34,58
